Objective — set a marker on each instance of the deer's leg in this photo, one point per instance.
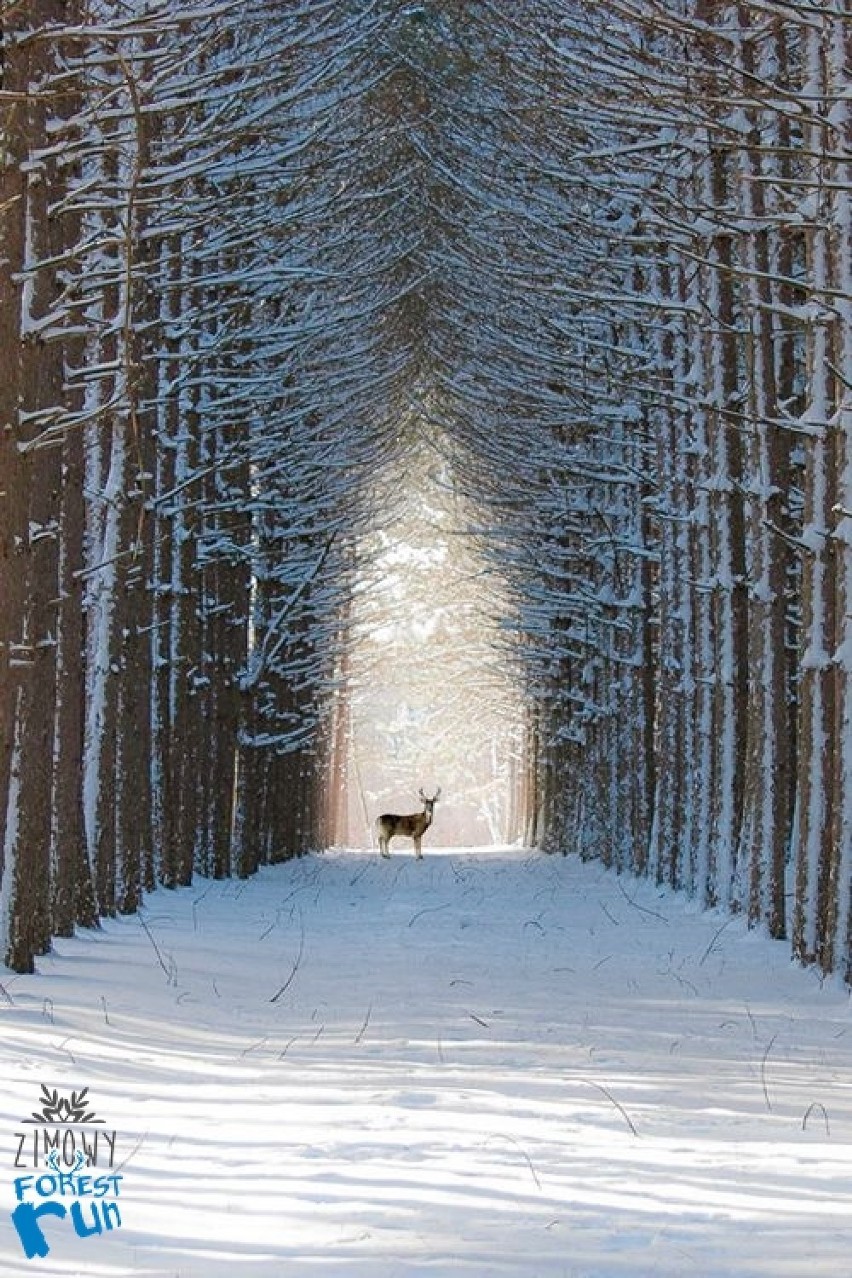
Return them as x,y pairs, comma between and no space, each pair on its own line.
417,851
383,845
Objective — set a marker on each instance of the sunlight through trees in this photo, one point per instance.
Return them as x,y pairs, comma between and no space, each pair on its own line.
432,698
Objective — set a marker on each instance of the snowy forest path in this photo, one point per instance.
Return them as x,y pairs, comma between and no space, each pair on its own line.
484,1063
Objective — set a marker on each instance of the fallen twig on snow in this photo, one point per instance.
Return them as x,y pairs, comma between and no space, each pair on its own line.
296,965
134,1151
610,915
618,1105
60,1047
816,1105
366,1022
430,909
643,909
171,969
713,941
519,1146
254,1046
763,1071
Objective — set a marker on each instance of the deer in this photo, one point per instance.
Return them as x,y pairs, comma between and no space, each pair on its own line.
412,827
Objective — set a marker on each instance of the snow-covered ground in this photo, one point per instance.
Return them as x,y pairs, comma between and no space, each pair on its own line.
481,1064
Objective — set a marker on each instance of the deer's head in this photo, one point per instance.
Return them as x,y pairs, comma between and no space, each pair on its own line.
428,804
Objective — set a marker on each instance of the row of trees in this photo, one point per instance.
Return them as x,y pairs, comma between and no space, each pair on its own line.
192,347
668,319
596,255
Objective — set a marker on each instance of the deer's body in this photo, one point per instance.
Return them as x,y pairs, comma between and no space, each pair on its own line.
412,826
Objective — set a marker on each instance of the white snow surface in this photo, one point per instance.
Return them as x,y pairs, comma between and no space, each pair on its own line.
486,1063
